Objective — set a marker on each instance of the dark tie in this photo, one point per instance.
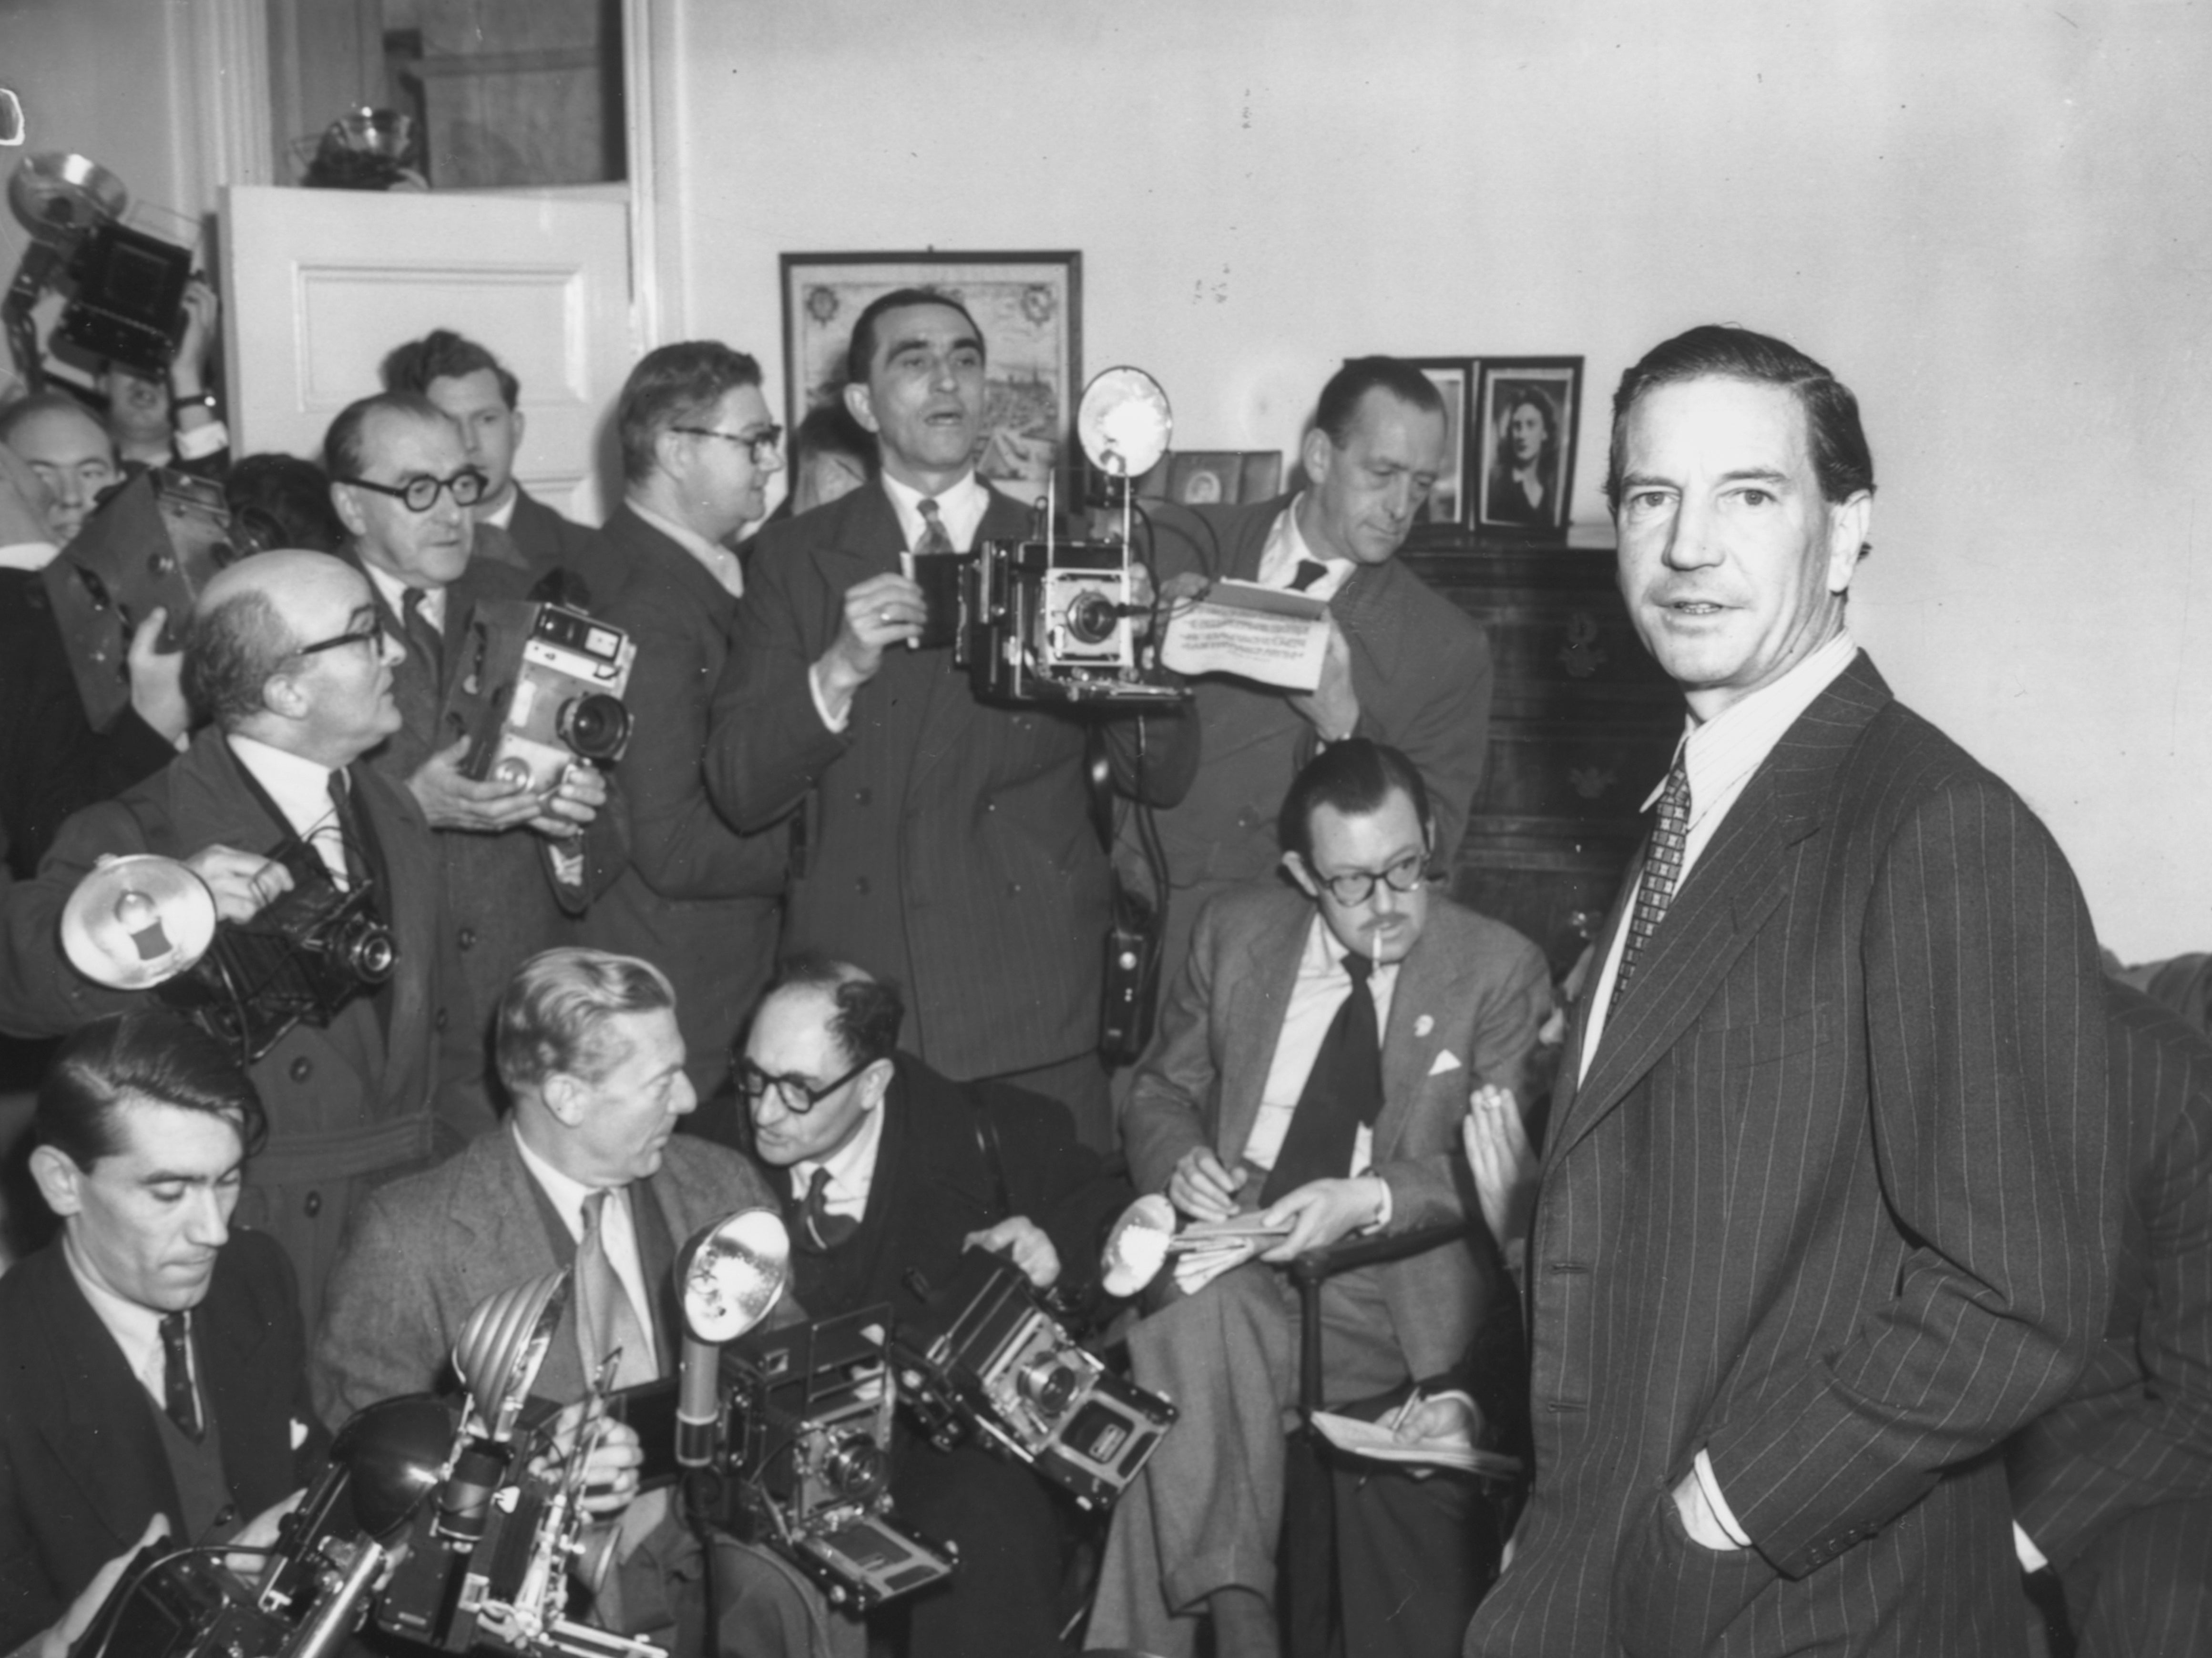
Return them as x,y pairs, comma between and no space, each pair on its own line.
423,639
347,831
1663,869
825,1230
934,539
1306,575
1343,1090
178,1397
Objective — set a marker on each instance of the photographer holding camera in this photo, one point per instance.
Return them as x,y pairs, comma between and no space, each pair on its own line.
285,655
948,842
587,1171
888,1172
156,1361
508,895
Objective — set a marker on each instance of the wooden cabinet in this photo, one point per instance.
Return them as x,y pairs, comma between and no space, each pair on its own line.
1581,729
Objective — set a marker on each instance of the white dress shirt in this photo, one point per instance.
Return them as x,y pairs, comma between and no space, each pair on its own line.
617,1228
851,1168
395,594
1316,994
719,561
136,1330
301,790
501,517
1286,549
27,554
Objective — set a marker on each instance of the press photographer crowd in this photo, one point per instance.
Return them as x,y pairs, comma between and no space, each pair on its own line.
904,1078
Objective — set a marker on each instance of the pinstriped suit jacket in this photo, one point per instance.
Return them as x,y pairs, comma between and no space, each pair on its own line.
1833,1202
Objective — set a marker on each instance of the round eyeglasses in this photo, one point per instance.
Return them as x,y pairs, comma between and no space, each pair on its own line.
794,1094
1356,886
420,494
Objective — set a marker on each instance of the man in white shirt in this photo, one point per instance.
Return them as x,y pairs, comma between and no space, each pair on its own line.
699,898
1314,1061
587,1172
1829,1198
156,1361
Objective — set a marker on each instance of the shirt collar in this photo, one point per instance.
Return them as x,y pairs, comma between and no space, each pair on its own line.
719,561
852,1166
1324,956
1287,547
136,1330
502,516
27,554
567,1192
299,787
394,591
1736,742
961,507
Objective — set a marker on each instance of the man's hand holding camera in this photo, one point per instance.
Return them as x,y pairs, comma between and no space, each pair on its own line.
610,1472
242,884
880,612
450,798
1023,1243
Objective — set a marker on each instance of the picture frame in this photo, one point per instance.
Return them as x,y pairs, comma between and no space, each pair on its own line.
1028,305
1529,412
1452,501
1214,478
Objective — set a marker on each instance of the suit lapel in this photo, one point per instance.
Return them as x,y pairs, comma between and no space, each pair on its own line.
105,1434
951,706
1256,1002
1742,876
1431,987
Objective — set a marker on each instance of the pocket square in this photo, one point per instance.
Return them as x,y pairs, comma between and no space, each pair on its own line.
1447,1062
299,1433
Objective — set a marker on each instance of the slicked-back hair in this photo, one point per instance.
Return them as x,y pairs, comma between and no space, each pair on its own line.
1356,777
1841,460
860,350
868,1010
341,445
150,1055
230,653
675,384
443,354
48,403
557,1014
1339,399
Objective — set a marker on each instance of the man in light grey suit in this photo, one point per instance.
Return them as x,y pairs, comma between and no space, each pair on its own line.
585,1172
1313,1064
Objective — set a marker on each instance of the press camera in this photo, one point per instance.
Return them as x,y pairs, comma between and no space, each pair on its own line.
542,687
1053,621
996,1360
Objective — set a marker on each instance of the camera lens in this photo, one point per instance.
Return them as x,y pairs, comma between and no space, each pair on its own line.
1092,618
367,950
596,726
855,1468
1050,1384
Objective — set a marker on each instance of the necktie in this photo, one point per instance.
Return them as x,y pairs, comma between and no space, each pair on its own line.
423,639
1343,1090
1306,575
606,1317
178,1397
825,1230
933,537
1663,868
348,864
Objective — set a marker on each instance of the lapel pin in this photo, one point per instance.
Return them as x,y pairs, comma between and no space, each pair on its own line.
1425,1024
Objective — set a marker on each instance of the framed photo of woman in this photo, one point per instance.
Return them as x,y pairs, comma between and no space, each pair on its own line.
1529,410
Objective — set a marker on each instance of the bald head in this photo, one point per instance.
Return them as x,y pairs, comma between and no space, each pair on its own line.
70,450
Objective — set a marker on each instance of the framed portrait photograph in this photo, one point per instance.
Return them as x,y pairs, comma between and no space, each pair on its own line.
1529,409
1029,305
1206,477
1451,502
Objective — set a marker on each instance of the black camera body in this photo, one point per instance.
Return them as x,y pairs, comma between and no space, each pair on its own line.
1054,621
1000,1364
129,305
542,686
155,540
299,960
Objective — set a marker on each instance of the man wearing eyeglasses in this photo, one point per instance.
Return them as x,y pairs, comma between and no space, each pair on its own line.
1313,1064
285,653
699,899
519,863
890,1173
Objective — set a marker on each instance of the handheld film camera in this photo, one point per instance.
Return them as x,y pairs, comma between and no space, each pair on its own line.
147,923
997,1362
542,686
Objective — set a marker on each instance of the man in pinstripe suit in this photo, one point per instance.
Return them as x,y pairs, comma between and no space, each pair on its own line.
1827,1201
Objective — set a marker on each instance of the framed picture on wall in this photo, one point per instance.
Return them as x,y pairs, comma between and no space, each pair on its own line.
1451,502
1529,409
1214,478
1029,305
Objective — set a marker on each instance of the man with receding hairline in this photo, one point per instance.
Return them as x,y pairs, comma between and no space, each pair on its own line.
285,653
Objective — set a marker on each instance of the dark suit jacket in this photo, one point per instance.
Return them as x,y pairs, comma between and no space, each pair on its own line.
2137,1430
699,899
1470,998
505,899
949,843
937,1179
363,1098
1833,1203
548,541
425,1250
1419,664
81,1468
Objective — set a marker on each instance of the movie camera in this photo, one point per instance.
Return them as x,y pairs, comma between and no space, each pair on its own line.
148,923
996,1359
542,687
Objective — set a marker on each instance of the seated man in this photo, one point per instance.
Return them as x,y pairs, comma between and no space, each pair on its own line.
155,1359
1313,1063
584,1172
2112,1488
889,1171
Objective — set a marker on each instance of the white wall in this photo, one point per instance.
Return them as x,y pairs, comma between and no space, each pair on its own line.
1994,220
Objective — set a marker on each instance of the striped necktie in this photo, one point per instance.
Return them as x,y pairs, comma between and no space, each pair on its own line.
1662,870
